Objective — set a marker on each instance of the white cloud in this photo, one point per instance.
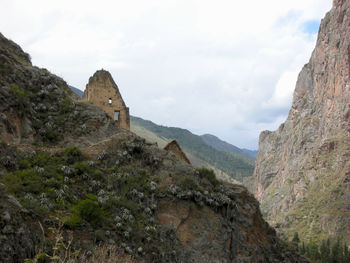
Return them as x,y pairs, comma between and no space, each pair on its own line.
282,95
224,67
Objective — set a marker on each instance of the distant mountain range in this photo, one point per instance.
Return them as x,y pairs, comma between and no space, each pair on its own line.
221,145
206,150
76,91
253,153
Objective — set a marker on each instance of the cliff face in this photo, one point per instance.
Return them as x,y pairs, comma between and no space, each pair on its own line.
302,170
115,198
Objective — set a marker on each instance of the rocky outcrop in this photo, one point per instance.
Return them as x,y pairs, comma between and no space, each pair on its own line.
302,169
20,230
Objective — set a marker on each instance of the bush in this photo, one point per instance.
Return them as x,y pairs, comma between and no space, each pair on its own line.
22,97
50,135
135,179
113,203
65,106
188,182
23,181
81,168
72,155
209,175
88,210
18,92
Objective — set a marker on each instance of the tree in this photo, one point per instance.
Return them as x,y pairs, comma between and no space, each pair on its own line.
336,252
296,239
314,253
325,251
302,249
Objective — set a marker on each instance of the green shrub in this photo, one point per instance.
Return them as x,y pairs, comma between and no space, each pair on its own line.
88,210
5,68
113,202
42,159
24,164
65,106
209,175
73,221
18,92
50,135
97,174
72,155
188,182
136,179
23,181
22,96
81,168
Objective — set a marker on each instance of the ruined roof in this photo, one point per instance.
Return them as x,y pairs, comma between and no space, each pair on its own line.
175,148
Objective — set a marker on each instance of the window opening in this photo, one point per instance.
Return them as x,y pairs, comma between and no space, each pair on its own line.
116,115
110,101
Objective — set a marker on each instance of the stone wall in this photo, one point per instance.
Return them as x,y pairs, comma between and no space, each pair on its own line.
102,92
175,148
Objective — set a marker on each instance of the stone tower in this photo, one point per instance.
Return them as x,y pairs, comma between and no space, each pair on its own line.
102,92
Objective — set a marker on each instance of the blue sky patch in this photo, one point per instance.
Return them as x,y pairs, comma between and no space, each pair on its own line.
311,26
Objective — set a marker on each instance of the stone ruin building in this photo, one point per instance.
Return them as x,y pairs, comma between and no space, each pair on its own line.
175,148
102,92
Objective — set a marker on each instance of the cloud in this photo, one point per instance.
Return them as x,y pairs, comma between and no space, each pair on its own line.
282,95
223,67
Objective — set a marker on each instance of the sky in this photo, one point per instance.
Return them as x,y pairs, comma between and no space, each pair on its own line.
223,67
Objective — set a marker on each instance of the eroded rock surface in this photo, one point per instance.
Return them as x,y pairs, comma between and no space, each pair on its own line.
302,169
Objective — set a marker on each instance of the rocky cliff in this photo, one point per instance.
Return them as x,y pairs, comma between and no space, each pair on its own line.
302,170
115,198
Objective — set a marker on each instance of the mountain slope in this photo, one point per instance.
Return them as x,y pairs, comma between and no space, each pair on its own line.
302,169
252,153
76,91
223,146
232,164
196,161
115,197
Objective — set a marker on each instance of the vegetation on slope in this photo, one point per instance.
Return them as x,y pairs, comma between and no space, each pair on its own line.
233,164
113,197
327,252
223,146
